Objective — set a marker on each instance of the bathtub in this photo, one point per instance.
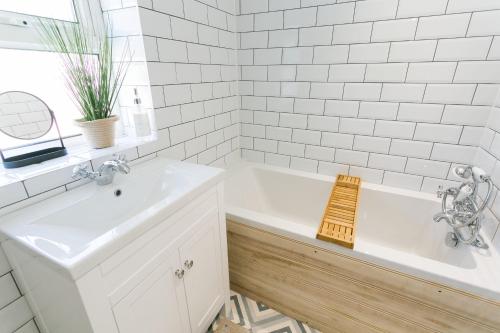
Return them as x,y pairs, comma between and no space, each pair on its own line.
395,229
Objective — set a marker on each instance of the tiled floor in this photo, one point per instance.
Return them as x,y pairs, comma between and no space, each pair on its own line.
258,318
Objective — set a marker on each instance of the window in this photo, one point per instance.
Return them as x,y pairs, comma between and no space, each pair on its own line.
39,73
25,65
57,9
19,19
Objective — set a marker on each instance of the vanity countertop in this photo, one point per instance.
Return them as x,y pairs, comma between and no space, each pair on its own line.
78,229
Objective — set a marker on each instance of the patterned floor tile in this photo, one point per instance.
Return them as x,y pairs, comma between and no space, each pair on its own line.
258,318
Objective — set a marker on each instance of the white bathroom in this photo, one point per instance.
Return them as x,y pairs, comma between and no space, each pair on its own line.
249,166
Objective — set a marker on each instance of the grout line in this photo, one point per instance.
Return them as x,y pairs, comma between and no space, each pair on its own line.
438,42
446,8
474,94
468,24
489,49
26,190
26,323
416,29
16,284
13,301
355,9
371,34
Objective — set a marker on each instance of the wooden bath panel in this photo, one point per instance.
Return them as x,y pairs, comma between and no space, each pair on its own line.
337,293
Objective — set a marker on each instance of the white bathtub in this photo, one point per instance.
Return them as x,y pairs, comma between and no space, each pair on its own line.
395,227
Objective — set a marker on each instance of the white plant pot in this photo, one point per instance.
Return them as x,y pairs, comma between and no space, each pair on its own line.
99,133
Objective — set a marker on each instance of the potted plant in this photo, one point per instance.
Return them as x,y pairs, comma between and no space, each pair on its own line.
93,79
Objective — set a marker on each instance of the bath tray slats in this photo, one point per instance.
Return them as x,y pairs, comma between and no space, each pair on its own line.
339,220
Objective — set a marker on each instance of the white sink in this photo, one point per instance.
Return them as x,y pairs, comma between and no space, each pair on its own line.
76,229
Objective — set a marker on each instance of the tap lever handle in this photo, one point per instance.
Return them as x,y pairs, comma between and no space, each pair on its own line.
122,158
440,191
121,163
464,172
81,171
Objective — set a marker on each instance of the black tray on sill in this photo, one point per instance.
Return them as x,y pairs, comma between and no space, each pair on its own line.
38,156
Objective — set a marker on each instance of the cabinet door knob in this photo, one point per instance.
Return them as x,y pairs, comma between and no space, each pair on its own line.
179,273
188,264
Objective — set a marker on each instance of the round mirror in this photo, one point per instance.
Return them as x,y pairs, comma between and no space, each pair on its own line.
23,115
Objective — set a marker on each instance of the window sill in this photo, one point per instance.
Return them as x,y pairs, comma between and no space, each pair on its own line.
78,152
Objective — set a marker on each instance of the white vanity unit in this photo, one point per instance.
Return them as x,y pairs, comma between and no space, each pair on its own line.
147,253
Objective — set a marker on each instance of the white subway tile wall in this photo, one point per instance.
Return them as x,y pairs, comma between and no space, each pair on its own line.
15,314
488,157
397,91
190,52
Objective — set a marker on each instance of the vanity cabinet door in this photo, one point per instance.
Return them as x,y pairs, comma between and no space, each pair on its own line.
203,281
157,304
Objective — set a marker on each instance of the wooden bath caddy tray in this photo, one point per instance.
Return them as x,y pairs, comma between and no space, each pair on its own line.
339,220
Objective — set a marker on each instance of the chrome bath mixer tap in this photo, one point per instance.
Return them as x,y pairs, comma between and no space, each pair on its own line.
462,208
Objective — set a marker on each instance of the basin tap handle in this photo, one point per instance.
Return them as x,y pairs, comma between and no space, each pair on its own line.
122,158
82,171
123,168
123,164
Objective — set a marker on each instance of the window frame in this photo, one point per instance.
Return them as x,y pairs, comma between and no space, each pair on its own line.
20,31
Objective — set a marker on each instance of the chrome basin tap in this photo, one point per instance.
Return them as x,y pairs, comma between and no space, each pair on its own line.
464,211
105,173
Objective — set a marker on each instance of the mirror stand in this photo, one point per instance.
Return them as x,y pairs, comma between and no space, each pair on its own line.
37,156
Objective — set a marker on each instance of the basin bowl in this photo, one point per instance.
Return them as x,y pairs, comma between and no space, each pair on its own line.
75,227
